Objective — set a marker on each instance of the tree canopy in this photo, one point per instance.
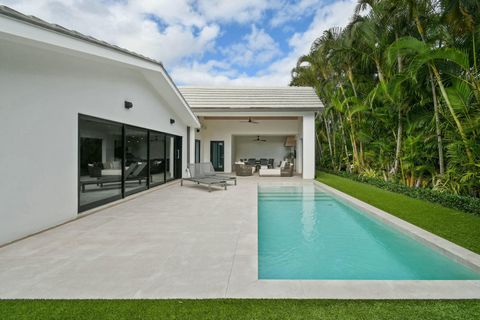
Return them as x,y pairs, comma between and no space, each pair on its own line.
401,89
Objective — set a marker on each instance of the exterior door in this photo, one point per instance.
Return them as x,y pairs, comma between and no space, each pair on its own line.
197,151
217,155
178,157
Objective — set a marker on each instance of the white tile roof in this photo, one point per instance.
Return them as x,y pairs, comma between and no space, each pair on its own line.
251,98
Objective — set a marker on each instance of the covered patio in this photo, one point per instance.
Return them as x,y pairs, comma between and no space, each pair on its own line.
280,118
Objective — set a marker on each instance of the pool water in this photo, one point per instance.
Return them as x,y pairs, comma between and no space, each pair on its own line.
306,233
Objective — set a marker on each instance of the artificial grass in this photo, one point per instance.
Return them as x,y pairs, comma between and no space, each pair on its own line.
456,226
238,309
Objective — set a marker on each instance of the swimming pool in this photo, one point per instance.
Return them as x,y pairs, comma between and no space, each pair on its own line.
307,233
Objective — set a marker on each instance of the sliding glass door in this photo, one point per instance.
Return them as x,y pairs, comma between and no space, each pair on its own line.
100,162
116,160
170,158
157,158
136,159
217,155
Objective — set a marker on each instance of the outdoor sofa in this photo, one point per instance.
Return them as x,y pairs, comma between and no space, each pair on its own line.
285,170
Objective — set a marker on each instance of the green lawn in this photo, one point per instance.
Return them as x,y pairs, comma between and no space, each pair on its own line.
458,227
237,309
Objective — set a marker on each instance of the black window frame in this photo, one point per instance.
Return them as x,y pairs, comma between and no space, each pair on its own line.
149,184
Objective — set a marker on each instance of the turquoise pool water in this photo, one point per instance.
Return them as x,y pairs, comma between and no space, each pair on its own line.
305,233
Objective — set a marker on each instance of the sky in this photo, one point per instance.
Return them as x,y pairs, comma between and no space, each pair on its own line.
203,42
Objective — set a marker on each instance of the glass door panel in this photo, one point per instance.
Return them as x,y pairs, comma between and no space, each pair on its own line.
197,151
170,158
178,157
100,167
217,155
136,159
157,158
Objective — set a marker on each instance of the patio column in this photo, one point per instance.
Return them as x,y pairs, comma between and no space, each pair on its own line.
309,146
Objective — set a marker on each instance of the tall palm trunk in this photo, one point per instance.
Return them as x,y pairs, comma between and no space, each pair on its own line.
334,142
356,158
327,130
344,140
438,131
461,131
436,109
398,149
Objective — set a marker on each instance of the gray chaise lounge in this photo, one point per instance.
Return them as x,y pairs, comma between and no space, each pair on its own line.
207,168
131,174
202,175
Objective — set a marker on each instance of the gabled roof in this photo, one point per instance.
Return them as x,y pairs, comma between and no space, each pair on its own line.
7,11
35,31
214,99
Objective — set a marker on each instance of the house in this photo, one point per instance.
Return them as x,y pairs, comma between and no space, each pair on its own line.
84,123
253,123
74,111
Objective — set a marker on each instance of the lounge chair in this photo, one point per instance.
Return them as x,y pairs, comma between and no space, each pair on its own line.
207,168
131,174
99,181
199,176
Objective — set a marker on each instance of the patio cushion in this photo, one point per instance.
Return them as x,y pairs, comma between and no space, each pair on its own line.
270,172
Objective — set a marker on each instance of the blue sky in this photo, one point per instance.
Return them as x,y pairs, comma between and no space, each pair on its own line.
204,42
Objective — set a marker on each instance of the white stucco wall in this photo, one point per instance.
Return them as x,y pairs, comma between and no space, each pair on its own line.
308,146
42,92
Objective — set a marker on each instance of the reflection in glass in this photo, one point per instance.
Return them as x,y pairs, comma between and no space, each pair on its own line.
170,158
101,153
157,158
136,159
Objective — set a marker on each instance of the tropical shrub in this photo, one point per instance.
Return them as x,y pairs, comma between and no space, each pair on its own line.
449,200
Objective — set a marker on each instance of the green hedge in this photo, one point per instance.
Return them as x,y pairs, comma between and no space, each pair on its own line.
462,203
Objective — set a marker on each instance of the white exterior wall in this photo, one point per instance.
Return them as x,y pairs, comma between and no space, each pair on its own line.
42,92
308,144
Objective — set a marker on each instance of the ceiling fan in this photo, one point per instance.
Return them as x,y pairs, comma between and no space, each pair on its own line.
259,140
250,121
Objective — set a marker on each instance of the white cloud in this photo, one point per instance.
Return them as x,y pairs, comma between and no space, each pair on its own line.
242,11
256,48
295,10
336,14
181,32
129,24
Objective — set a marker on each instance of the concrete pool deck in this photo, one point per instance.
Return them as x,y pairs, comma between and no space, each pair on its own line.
178,242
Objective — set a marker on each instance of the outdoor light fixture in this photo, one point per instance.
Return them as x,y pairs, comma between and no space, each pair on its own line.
128,105
172,121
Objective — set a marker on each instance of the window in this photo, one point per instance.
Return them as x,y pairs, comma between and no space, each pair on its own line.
197,151
116,160
100,162
157,158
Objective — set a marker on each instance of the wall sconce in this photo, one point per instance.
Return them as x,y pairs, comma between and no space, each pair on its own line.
172,121
198,130
128,105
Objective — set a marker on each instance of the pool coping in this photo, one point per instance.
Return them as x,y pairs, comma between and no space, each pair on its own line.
244,282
